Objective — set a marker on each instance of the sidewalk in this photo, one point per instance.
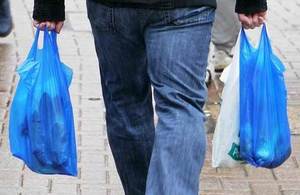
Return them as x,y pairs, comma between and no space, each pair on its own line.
97,173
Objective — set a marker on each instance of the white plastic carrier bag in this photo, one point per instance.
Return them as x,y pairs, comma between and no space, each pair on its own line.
225,148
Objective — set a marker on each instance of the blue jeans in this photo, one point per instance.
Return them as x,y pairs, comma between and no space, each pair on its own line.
165,49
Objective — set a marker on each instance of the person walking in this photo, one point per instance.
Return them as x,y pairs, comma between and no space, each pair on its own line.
163,44
225,31
5,18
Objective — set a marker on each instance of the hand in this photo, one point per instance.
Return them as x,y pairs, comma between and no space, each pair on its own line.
253,20
57,26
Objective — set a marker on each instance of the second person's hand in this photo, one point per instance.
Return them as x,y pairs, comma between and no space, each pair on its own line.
57,26
253,20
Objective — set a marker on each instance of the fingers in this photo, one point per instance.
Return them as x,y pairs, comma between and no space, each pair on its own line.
251,26
261,20
40,25
59,26
252,21
50,25
263,15
255,20
35,23
43,25
245,20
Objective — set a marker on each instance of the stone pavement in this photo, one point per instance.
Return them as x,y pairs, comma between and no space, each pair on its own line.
97,173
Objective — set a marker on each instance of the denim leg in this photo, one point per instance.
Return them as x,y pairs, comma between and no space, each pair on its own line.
177,59
126,90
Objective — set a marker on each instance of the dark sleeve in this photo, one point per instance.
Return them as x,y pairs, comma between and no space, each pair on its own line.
49,10
250,6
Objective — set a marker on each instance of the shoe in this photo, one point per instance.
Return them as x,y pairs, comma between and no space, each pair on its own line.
221,60
5,18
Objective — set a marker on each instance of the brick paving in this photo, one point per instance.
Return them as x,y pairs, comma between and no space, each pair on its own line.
97,173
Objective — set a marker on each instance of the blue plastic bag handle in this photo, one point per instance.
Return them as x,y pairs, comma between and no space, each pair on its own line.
48,41
264,39
265,45
264,35
244,37
53,37
33,50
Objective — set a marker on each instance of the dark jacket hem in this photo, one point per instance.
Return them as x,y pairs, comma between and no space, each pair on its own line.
161,5
49,10
54,10
250,6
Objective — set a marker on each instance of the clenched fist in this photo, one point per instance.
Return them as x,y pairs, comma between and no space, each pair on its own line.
252,20
57,26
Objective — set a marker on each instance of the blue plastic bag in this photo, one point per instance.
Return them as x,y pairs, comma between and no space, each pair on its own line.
264,129
41,126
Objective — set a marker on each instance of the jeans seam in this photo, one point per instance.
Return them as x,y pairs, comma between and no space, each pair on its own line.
167,16
113,21
202,18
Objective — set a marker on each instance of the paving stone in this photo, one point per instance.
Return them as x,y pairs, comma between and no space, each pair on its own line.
265,188
66,189
93,157
116,192
289,185
9,178
291,192
8,191
93,142
79,22
210,183
212,192
114,178
95,167
4,144
290,164
9,162
3,114
237,192
34,192
209,171
238,172
91,125
62,179
4,100
39,183
94,112
92,189
259,173
287,174
235,184
89,176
